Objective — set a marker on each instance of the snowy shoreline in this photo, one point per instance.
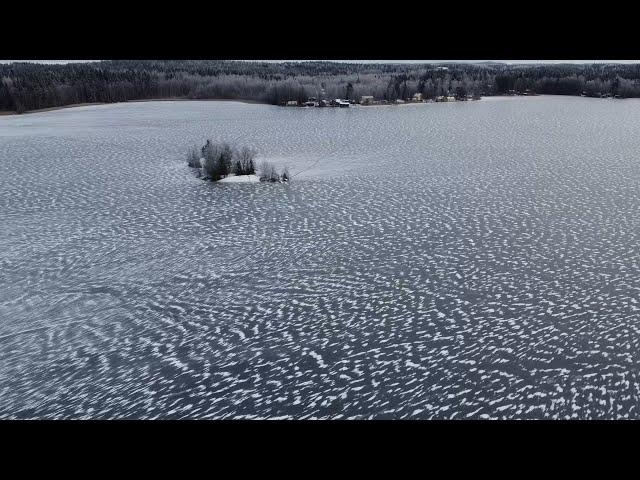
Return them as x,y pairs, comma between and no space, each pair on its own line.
255,102
233,178
74,105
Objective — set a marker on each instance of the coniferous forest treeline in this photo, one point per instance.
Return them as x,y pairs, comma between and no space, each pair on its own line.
31,86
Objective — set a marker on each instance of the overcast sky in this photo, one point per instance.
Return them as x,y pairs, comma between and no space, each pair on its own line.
386,61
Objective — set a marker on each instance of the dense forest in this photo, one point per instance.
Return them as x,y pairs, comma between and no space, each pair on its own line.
30,86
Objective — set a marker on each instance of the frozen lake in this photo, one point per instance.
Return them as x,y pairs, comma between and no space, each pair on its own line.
464,260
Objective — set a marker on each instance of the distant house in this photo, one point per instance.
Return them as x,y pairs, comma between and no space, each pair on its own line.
310,104
441,98
366,100
292,103
451,98
399,101
340,103
417,97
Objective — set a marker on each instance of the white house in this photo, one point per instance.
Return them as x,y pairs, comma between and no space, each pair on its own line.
341,103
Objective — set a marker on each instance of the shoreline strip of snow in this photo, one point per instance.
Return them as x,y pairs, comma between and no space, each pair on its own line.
240,179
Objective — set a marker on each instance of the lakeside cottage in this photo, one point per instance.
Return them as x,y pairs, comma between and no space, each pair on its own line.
445,98
340,103
366,100
370,100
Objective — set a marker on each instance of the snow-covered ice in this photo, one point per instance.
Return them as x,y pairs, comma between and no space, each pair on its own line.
472,260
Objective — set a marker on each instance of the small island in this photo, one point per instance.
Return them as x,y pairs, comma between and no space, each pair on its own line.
221,162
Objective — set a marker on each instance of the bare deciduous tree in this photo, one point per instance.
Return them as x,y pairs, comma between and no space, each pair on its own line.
193,158
268,172
217,160
244,161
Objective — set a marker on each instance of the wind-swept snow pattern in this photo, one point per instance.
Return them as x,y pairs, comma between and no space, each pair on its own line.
466,260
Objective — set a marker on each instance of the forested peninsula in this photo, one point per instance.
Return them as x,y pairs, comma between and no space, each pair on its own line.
31,86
